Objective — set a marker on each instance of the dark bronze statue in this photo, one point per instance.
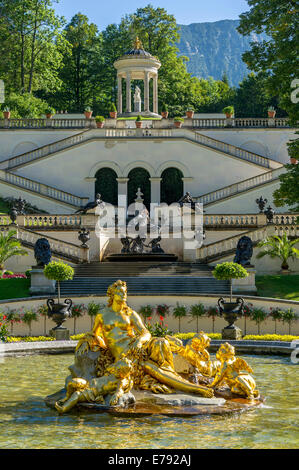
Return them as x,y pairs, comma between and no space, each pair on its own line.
90,205
42,252
155,245
244,251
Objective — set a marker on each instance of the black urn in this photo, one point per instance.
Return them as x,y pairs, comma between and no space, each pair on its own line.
84,237
59,312
231,311
13,214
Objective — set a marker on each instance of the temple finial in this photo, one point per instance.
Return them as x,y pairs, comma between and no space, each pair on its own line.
137,43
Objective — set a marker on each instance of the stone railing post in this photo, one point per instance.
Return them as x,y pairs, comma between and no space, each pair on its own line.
261,220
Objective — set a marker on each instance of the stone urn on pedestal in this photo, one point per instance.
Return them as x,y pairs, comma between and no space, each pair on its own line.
233,309
59,312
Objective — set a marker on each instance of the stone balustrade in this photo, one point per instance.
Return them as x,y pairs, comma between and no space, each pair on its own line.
198,123
236,188
38,221
229,244
231,221
42,189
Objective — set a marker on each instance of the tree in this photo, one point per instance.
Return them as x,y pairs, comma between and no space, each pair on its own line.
276,56
227,272
252,98
9,246
288,192
81,68
279,247
33,29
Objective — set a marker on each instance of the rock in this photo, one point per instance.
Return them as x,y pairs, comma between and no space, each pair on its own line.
175,399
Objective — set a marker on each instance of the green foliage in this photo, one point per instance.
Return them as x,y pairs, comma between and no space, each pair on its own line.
228,110
164,108
9,246
179,311
289,317
277,55
58,271
178,119
146,311
158,330
26,106
112,108
50,111
139,118
288,192
162,310
99,119
287,338
228,271
78,310
279,247
93,309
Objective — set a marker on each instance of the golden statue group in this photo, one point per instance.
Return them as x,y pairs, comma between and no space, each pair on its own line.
129,357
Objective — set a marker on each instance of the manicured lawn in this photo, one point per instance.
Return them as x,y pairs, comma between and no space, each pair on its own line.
14,288
278,286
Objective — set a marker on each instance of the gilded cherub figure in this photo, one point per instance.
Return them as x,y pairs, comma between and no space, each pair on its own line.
234,372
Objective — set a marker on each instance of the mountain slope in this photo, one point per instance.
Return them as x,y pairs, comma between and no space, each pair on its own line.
215,48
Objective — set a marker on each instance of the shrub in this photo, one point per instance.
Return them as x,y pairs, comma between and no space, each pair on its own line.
258,315
146,311
158,330
26,105
164,108
99,119
289,316
112,108
162,310
28,317
139,118
228,271
287,338
58,271
178,119
179,312
197,311
50,111
87,109
228,110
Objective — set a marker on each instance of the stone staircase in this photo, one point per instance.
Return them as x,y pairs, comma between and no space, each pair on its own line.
145,278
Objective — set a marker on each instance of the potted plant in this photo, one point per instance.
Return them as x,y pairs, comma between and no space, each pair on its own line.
178,121
88,112
164,111
113,111
100,121
6,112
271,112
190,113
138,121
227,272
50,113
146,311
229,111
279,247
59,271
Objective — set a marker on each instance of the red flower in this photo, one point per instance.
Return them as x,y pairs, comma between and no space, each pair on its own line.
149,318
4,318
161,318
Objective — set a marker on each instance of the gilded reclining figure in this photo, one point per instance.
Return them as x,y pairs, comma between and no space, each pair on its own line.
129,357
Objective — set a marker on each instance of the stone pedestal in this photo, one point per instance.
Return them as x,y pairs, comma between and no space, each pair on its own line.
39,283
247,284
61,334
234,333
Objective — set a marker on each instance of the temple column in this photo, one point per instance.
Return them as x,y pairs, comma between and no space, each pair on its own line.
187,184
119,95
122,190
128,95
155,94
155,190
146,92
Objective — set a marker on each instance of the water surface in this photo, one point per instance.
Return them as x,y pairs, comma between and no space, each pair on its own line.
25,422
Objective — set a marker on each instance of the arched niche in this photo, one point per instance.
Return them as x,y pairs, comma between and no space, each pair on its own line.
106,185
172,185
139,178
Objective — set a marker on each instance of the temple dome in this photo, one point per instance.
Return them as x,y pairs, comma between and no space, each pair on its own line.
138,52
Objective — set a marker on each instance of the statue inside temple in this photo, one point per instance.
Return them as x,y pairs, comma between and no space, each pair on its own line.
137,100
244,251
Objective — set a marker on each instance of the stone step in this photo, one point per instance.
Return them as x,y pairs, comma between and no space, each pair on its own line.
145,269
144,285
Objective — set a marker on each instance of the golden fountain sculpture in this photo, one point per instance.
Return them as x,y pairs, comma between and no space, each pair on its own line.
131,358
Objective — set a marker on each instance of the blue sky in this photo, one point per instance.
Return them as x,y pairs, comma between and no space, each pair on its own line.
104,12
